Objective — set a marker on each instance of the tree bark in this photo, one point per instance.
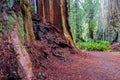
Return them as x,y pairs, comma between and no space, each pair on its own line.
56,13
26,13
65,25
23,56
109,20
51,11
14,23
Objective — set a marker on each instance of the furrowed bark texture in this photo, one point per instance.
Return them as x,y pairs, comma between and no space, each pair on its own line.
56,13
12,29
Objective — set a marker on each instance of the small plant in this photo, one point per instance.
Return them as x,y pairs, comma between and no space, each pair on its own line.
94,46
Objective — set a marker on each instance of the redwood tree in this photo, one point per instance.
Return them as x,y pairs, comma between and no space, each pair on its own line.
19,26
56,13
109,20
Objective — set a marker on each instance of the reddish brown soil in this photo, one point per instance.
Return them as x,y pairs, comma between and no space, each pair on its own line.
54,59
102,66
8,62
62,65
81,66
95,66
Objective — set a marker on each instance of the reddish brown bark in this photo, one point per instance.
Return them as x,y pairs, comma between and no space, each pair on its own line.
23,57
65,24
51,11
25,63
40,9
56,13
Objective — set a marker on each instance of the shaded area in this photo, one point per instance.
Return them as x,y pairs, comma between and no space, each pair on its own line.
52,40
51,45
8,62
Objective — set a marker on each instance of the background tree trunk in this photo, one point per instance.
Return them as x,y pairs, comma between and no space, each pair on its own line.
109,20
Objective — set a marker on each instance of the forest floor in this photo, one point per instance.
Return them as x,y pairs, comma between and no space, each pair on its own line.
80,66
93,66
63,63
53,59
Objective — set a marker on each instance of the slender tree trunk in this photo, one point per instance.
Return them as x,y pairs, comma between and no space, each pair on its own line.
51,11
91,33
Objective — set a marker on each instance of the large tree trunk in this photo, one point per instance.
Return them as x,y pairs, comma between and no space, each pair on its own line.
103,23
65,25
56,13
109,20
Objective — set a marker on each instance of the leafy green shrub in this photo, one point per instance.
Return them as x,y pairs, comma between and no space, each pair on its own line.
94,46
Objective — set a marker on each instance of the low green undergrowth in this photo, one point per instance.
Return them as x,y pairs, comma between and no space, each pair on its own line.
94,46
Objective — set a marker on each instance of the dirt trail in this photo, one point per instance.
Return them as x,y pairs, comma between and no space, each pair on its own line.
103,66
94,66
